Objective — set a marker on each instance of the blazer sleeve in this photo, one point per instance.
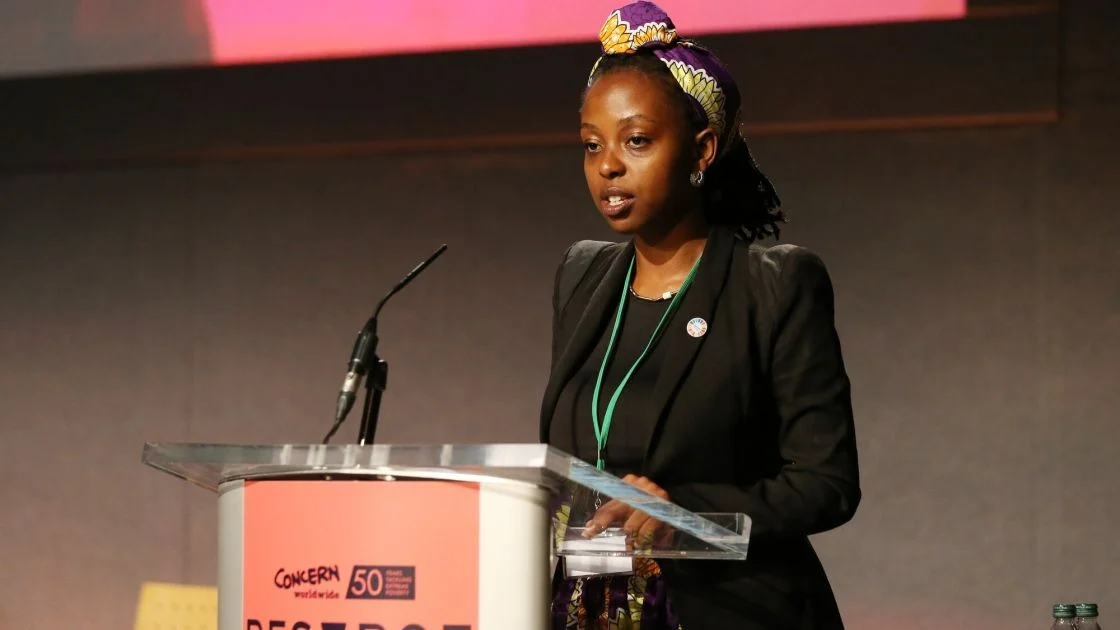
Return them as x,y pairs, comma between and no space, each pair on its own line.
817,488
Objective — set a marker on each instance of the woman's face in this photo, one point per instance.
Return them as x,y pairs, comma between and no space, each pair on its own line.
639,152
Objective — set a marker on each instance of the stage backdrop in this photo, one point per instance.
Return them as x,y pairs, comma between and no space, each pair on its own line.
977,302
38,37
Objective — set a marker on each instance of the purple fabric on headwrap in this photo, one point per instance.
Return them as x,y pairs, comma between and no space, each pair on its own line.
644,26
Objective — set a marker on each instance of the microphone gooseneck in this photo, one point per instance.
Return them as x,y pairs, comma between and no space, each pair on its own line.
364,356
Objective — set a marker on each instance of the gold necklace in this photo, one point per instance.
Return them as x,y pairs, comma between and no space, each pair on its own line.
668,295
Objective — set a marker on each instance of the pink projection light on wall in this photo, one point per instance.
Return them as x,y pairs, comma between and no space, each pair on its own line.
251,31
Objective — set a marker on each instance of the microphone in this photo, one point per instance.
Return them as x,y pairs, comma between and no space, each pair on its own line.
362,356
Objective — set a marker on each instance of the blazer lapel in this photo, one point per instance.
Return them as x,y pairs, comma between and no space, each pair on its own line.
680,347
585,333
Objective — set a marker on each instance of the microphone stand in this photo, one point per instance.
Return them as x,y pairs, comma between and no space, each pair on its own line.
363,359
371,408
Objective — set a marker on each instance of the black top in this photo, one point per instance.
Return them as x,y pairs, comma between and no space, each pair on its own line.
573,430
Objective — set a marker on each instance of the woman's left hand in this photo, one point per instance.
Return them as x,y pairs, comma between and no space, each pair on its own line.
638,525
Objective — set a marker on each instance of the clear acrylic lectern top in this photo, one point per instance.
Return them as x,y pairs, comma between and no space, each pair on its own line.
577,487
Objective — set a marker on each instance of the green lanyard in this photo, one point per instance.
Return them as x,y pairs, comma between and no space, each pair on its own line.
602,430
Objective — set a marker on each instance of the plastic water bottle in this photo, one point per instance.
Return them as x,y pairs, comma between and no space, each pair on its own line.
1064,617
1086,616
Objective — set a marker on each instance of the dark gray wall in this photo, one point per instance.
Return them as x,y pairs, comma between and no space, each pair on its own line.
977,300
999,66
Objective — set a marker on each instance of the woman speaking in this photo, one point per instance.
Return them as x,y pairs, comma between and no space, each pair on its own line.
691,359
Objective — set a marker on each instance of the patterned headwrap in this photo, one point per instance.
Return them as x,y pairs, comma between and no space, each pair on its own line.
644,26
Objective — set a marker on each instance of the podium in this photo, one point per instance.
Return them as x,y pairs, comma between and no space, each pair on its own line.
425,537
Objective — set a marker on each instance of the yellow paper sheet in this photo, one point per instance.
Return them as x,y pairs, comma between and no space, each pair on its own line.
165,606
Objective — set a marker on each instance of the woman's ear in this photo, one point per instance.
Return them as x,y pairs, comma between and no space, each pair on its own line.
707,148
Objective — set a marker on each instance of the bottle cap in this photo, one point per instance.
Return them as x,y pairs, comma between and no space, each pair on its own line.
1064,611
1086,609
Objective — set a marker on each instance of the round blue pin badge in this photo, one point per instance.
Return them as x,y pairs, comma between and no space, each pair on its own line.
697,327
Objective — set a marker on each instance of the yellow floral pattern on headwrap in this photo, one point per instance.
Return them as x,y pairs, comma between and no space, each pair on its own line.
697,83
618,37
658,32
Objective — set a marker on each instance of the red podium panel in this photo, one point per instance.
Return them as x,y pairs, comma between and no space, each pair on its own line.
360,555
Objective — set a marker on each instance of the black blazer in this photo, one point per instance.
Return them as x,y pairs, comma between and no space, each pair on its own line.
754,417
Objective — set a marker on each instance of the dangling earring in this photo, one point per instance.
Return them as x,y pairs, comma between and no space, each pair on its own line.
696,178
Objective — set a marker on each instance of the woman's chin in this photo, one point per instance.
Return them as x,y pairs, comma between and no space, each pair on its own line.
622,224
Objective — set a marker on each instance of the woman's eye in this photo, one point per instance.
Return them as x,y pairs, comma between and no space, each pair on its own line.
591,147
639,141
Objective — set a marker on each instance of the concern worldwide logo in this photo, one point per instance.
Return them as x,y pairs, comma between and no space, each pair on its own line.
366,582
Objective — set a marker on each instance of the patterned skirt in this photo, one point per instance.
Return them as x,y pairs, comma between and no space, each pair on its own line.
639,601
